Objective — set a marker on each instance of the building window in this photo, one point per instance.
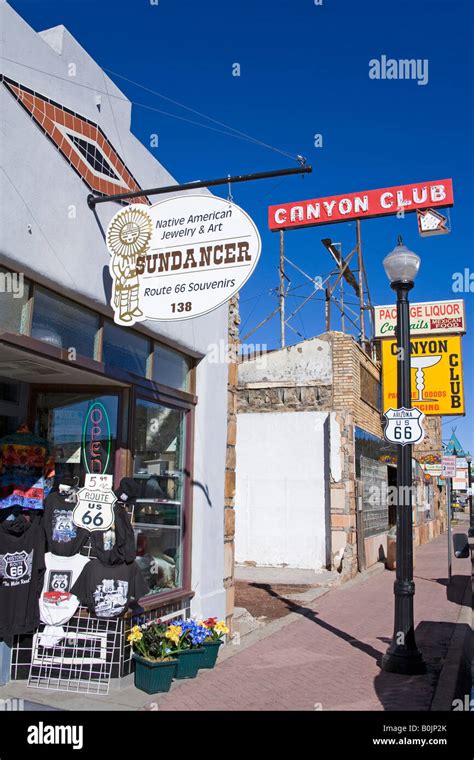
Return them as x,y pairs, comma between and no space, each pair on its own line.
13,302
125,350
81,429
158,470
370,389
64,324
171,368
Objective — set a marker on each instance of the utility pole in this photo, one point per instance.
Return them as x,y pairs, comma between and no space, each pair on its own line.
282,288
360,265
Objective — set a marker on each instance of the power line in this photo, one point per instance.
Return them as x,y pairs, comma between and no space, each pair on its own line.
238,134
202,115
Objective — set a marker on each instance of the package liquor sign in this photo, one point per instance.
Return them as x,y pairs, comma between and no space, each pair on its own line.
363,205
95,504
442,317
180,258
436,374
404,426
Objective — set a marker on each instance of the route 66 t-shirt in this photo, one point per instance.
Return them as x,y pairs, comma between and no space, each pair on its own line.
63,537
21,571
57,603
106,590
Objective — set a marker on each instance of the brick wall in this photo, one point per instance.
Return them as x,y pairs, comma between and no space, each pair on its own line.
348,357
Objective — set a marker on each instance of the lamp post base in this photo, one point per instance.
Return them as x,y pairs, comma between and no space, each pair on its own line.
405,663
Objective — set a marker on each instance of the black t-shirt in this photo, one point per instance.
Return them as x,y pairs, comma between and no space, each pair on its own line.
117,545
64,538
106,590
21,574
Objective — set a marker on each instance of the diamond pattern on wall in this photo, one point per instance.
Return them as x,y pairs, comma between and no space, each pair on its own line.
82,143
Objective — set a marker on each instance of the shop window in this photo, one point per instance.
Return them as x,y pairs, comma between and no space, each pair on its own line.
13,301
158,470
125,349
64,324
171,368
81,429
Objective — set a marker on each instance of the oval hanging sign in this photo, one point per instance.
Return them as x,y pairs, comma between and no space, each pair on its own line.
180,258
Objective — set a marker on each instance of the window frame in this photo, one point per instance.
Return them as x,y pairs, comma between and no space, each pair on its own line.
187,499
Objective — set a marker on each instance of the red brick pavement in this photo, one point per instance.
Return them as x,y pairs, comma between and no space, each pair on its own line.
327,658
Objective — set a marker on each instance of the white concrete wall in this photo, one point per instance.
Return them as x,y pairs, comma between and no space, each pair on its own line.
69,255
306,363
281,497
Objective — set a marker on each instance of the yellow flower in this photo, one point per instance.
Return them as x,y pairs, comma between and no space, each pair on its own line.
135,634
173,633
221,627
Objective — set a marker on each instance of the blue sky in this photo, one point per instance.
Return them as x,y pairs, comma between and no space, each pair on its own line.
303,71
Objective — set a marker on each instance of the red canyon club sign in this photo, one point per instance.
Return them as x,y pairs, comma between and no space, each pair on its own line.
363,205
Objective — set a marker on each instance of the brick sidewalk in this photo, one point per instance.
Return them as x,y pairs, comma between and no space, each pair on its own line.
327,659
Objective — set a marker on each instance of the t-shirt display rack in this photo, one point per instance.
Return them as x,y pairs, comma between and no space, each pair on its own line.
83,660
91,652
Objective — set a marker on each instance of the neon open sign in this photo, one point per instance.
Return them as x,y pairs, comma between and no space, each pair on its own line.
96,439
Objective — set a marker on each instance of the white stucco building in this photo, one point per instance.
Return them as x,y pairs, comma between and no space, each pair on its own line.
65,132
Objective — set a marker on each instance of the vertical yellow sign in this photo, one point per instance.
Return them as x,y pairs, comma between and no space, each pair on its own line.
437,385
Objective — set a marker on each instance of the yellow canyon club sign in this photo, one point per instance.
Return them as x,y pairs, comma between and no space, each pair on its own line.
436,375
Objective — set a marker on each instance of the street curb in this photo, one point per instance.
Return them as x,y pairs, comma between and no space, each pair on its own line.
454,679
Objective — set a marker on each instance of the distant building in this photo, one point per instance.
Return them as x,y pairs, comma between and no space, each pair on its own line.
313,472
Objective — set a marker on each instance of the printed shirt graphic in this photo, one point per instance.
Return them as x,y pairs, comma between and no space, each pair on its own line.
107,589
57,604
110,598
63,528
15,567
26,470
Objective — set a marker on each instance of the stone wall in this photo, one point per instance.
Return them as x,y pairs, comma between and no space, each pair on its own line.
230,465
343,499
283,399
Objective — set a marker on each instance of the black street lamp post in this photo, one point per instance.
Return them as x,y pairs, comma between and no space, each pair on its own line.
469,480
403,656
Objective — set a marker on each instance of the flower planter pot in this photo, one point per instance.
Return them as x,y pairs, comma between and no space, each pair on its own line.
153,677
189,662
211,650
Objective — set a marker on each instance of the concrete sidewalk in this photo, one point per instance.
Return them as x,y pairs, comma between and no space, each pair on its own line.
327,658
323,656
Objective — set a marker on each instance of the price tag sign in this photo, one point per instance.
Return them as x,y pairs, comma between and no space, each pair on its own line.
98,482
448,467
404,426
95,504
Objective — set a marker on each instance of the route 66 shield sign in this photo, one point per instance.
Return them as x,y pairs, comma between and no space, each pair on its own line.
94,509
404,426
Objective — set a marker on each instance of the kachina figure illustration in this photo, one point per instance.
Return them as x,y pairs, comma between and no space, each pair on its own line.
128,237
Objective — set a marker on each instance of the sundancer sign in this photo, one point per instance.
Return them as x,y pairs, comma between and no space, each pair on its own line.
179,258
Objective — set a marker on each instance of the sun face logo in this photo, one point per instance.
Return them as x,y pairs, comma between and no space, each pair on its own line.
129,232
128,236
